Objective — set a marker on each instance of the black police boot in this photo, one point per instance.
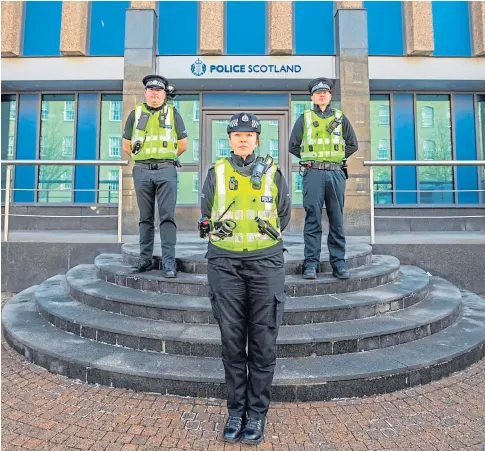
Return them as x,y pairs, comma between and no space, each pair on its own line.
340,272
253,433
310,272
143,266
169,270
233,429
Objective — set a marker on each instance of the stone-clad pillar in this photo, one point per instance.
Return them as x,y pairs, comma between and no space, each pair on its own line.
418,28
140,60
74,28
12,28
280,28
211,23
477,16
352,89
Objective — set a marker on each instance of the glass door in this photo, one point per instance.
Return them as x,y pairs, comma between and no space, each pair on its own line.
273,139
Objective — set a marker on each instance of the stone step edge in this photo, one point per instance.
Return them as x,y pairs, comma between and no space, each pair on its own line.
77,280
170,336
290,390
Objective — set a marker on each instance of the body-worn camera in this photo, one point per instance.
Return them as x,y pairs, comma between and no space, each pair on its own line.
136,149
260,166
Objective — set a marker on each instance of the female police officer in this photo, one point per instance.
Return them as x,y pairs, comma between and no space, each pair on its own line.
245,206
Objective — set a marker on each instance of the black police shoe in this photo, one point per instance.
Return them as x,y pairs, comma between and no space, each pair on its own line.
253,433
310,272
143,266
169,270
341,273
233,429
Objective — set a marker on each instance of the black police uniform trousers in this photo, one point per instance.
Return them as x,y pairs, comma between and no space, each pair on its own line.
247,298
324,187
160,184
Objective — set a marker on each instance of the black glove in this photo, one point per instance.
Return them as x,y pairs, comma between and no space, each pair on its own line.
204,226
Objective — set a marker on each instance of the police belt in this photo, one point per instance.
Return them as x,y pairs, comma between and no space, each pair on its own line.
326,166
159,164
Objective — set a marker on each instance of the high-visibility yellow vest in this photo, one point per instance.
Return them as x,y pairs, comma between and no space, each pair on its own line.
249,203
317,143
158,142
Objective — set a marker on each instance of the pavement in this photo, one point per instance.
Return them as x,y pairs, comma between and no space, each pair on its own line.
44,411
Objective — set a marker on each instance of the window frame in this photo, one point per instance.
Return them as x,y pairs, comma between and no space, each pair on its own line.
110,147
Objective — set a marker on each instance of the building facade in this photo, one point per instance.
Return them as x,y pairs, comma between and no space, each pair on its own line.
409,75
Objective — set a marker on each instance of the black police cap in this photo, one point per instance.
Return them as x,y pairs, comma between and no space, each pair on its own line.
244,122
155,82
320,84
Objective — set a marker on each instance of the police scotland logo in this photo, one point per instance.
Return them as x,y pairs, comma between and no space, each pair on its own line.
198,68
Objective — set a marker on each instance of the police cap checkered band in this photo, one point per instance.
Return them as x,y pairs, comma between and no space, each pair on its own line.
320,84
244,122
155,82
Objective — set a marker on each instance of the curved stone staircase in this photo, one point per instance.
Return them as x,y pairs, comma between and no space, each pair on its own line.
387,328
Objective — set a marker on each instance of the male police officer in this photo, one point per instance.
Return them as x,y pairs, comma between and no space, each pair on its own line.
154,137
323,139
245,206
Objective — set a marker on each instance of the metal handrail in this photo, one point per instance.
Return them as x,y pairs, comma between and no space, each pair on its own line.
374,163
11,163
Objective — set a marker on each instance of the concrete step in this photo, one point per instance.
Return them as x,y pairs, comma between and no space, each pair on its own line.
437,311
383,269
407,289
191,259
296,379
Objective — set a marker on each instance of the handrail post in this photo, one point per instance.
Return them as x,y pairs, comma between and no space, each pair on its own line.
7,201
120,203
371,182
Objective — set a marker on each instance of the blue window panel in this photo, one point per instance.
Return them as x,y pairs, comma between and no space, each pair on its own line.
245,42
171,41
42,29
385,28
451,28
245,100
305,28
465,146
107,32
404,147
86,147
27,131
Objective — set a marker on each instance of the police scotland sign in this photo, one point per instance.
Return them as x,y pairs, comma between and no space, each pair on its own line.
246,67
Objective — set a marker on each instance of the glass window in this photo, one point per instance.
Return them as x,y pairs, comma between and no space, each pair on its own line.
8,116
273,147
67,146
195,182
195,149
427,116
434,143
69,110
274,123
299,104
223,148
13,110
381,146
115,146
55,182
110,148
383,150
10,147
384,114
296,188
222,121
115,110
186,194
44,113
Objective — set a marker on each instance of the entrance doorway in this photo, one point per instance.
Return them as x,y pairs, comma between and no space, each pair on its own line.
273,139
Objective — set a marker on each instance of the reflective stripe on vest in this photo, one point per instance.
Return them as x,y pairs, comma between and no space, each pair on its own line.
317,143
248,205
158,142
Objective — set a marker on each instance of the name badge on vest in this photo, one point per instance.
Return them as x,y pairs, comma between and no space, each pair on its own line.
267,199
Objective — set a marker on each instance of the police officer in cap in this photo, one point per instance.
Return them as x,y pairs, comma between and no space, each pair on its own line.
323,139
154,136
245,205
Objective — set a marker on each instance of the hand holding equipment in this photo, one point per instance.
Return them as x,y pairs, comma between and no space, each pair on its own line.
266,228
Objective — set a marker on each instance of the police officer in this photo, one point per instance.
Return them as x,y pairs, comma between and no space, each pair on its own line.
245,205
154,137
323,139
